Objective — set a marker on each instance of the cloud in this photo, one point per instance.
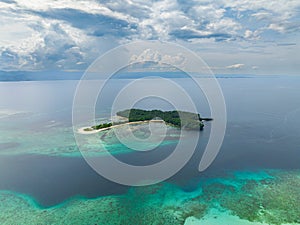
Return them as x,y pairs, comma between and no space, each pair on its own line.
284,9
93,24
156,60
8,1
191,34
69,34
46,45
286,44
262,15
287,27
252,35
235,66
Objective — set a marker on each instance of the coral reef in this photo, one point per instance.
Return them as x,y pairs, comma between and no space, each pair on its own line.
271,197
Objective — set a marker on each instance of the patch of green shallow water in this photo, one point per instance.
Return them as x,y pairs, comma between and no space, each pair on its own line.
254,198
60,141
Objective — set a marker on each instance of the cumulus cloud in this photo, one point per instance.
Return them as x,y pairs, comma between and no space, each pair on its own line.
158,61
235,66
252,35
287,27
69,34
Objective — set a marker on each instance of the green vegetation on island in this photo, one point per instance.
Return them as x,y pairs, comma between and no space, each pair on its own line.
101,126
180,119
186,120
98,127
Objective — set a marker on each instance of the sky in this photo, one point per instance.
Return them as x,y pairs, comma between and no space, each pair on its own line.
232,37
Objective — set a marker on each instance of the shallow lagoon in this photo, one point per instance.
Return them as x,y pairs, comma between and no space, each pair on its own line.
254,179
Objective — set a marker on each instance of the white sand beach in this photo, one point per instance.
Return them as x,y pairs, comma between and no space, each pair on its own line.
83,130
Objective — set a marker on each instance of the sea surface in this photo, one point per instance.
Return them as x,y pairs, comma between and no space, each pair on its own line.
255,178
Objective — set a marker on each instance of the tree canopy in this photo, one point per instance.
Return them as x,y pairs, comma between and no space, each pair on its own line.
182,119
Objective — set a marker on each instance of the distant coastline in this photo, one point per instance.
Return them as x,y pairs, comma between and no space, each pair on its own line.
15,76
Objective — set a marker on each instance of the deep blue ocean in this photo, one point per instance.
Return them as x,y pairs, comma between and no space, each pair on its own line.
39,158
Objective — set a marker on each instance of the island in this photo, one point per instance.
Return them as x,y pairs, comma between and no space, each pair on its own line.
192,121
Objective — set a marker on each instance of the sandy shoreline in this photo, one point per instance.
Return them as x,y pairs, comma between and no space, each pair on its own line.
82,131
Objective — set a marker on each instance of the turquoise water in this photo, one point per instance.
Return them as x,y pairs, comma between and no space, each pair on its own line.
265,197
254,180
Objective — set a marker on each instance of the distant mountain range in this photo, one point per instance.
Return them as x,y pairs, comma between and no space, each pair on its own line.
38,75
66,75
